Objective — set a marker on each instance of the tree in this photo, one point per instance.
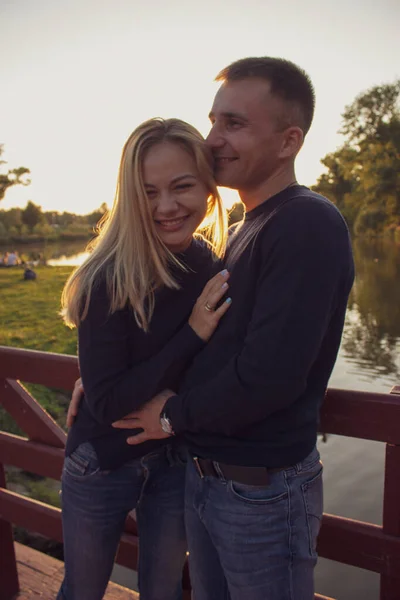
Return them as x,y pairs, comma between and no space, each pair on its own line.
32,215
94,217
363,176
11,218
372,115
12,177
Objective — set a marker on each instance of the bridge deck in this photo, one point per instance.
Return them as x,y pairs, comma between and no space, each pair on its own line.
40,576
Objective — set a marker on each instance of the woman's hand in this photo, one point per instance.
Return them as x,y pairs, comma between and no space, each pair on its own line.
75,402
205,314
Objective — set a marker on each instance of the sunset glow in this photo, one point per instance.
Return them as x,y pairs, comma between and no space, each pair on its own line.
77,77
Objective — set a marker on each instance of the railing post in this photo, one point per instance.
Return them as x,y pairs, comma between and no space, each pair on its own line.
390,580
8,566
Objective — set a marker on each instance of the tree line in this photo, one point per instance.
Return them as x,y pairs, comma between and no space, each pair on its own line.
363,175
31,224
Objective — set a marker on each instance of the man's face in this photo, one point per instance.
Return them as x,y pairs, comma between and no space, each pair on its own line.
246,135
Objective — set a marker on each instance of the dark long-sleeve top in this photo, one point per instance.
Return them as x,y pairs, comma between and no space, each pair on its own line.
122,367
252,395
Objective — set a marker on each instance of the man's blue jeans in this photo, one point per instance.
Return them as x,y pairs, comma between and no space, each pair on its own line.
254,543
94,508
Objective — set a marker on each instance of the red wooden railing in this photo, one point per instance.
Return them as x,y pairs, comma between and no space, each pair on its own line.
349,413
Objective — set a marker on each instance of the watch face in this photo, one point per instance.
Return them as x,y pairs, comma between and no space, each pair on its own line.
166,425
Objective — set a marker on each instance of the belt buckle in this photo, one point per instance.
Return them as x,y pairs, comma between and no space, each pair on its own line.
198,467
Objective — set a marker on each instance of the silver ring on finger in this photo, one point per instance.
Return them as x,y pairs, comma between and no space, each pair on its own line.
208,307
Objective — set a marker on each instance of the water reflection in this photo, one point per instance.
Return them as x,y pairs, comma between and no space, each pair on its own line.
372,329
54,253
71,261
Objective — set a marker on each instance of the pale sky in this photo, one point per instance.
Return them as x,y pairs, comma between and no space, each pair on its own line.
77,76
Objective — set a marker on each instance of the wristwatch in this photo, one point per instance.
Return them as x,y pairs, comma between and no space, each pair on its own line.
166,424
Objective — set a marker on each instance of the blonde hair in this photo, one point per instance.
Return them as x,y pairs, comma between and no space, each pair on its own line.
127,250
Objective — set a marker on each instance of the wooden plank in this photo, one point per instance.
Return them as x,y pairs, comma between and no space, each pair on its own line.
31,456
390,581
41,577
364,415
31,514
8,568
391,499
130,523
38,425
31,366
46,520
128,551
358,544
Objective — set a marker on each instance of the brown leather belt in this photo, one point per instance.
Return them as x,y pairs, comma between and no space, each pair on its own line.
247,475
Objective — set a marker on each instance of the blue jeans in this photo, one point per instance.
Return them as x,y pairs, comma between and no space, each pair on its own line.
254,543
95,505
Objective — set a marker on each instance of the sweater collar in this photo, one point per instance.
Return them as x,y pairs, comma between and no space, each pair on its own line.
271,203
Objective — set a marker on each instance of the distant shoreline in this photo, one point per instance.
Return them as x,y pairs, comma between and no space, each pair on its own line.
38,239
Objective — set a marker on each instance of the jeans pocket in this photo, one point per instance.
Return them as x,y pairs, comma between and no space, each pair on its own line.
82,462
256,495
313,504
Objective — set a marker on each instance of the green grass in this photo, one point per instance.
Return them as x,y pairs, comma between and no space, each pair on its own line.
29,310
29,318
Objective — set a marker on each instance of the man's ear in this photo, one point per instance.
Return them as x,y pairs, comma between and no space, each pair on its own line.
293,139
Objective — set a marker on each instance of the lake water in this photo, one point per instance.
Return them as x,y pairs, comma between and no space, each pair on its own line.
369,360
54,254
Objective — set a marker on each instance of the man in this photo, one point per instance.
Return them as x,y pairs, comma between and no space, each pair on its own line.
249,406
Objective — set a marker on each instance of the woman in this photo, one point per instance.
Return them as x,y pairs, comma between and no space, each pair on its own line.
132,301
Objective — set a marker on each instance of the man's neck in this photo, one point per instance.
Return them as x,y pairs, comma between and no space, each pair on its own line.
273,185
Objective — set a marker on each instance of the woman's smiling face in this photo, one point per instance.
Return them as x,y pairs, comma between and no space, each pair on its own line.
177,195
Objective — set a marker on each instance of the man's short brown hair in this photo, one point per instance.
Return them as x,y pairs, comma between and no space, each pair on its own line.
288,82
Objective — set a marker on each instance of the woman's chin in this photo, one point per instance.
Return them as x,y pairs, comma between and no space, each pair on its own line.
177,243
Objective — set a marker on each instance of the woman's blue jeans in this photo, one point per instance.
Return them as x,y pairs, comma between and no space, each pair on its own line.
95,505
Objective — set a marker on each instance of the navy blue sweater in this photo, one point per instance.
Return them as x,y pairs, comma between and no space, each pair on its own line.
252,395
122,367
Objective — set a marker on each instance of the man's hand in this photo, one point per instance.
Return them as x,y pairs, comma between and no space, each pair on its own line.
75,402
148,419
